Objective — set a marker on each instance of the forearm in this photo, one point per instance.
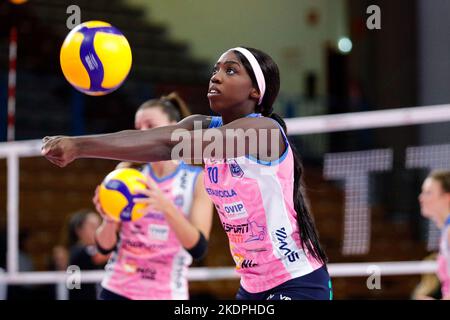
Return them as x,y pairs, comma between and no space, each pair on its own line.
106,234
186,233
157,144
129,145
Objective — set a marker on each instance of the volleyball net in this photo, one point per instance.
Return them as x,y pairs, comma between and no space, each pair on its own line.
363,173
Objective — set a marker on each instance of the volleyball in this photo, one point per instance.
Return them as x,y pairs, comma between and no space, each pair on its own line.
117,192
95,58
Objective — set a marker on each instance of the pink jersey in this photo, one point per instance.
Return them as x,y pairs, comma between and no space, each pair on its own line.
254,200
150,263
444,260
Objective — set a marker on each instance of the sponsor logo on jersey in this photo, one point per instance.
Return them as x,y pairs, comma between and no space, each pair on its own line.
178,278
136,229
242,263
235,228
155,216
235,210
179,200
256,250
147,273
252,229
134,246
183,180
281,236
158,232
235,169
257,232
221,193
129,268
248,264
236,238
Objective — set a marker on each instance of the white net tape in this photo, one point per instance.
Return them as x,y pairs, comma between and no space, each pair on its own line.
221,273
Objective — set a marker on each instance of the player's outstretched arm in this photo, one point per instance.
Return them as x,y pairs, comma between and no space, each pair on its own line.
129,145
180,141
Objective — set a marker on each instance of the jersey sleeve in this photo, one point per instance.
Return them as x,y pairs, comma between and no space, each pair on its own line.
215,122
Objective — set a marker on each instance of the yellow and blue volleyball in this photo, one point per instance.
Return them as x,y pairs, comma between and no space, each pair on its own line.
117,192
95,58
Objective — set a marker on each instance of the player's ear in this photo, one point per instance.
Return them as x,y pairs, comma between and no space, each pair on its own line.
254,94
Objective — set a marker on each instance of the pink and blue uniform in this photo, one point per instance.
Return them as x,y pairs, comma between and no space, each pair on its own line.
149,262
254,200
443,259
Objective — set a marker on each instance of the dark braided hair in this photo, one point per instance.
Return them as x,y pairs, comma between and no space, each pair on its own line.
308,232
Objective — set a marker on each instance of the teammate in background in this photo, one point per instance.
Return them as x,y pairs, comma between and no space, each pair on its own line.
83,252
151,256
429,285
435,205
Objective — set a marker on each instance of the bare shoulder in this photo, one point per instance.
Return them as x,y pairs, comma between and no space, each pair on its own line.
253,123
199,186
271,138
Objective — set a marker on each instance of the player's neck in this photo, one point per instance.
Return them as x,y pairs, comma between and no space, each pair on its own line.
442,218
238,112
446,217
164,168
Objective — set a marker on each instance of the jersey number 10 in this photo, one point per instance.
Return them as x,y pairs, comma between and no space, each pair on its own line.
213,174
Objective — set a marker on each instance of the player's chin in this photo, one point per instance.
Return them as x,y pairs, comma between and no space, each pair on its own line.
216,104
425,212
